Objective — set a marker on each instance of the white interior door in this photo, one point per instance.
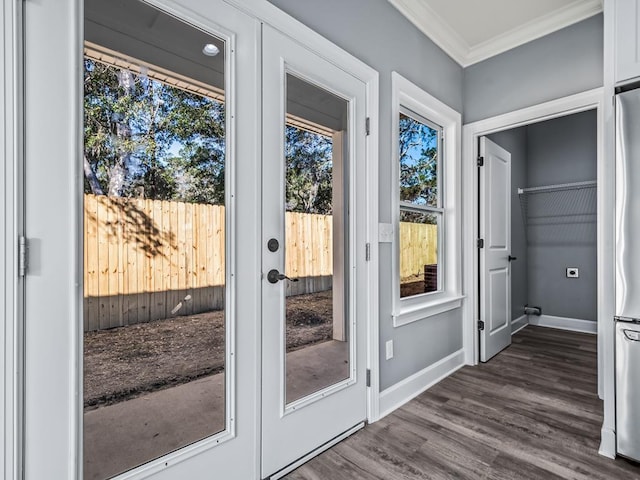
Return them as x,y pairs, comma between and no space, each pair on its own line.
313,252
495,230
131,200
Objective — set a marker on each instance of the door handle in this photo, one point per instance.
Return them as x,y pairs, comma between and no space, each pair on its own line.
511,259
274,276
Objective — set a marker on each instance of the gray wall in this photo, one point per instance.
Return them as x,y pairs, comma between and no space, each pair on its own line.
563,150
515,141
380,36
560,64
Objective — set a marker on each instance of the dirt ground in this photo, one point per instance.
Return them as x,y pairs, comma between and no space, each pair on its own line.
125,362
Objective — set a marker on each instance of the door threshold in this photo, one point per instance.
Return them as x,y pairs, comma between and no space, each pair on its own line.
302,460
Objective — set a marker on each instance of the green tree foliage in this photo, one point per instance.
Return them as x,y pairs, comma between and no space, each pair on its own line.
146,138
418,162
309,172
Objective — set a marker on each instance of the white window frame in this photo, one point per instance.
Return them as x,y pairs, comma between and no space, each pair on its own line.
406,96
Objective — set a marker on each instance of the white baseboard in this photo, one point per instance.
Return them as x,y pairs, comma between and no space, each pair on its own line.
519,323
400,393
562,323
607,443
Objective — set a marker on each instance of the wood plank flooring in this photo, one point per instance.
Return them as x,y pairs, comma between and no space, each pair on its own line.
532,412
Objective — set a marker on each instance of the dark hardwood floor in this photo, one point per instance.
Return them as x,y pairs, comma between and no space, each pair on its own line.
532,412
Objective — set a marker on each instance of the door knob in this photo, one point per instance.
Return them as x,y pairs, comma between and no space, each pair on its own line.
511,259
274,276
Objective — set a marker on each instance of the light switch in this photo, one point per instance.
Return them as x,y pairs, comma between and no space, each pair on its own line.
385,232
389,348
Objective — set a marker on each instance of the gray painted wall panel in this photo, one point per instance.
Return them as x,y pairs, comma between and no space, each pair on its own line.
563,150
379,35
515,142
560,64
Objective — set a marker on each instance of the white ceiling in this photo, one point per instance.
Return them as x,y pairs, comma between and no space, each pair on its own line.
471,31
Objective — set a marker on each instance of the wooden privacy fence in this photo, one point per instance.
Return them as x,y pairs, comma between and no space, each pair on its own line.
150,259
309,252
418,247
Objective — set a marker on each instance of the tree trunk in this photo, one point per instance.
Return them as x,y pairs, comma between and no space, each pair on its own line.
90,175
118,174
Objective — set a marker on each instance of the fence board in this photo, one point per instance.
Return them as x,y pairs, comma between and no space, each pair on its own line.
131,301
92,315
174,259
103,262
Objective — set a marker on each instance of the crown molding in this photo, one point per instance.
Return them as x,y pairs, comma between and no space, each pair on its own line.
433,26
539,27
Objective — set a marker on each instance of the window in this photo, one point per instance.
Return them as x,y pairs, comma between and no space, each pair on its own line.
426,186
419,152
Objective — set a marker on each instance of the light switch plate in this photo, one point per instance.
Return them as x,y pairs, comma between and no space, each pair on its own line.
385,232
389,349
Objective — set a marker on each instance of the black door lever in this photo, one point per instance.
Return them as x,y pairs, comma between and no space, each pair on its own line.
511,259
274,276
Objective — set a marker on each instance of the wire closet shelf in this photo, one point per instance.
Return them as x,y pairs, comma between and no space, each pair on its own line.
560,213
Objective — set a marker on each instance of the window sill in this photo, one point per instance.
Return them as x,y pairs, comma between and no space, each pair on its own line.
429,310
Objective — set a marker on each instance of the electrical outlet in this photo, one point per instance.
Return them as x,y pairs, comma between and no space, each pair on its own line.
389,348
573,272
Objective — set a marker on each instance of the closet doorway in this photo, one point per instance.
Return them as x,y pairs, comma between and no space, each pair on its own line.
535,117
541,240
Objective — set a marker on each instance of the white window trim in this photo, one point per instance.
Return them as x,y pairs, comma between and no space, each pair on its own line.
407,95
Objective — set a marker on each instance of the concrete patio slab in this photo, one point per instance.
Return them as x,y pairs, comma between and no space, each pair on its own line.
125,435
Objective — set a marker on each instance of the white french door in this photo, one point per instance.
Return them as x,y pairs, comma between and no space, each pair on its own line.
130,219
313,250
153,345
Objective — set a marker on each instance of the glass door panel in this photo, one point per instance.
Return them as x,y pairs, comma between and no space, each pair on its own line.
155,330
313,211
316,159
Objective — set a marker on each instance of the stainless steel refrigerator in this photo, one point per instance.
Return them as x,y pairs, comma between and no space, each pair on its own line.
627,318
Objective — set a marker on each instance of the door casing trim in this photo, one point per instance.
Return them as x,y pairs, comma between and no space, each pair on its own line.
11,206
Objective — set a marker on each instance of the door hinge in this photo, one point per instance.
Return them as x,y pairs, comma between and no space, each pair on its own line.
368,252
480,161
480,243
368,377
22,256
367,125
480,325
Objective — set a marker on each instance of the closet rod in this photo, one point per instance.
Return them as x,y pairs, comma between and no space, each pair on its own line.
560,186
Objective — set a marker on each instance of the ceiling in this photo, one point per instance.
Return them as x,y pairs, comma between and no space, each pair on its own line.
471,31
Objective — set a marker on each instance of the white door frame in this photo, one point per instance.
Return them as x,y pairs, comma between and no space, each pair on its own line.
300,33
580,102
10,229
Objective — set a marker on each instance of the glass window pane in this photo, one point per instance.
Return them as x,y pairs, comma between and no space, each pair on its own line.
419,157
419,259
317,331
155,331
